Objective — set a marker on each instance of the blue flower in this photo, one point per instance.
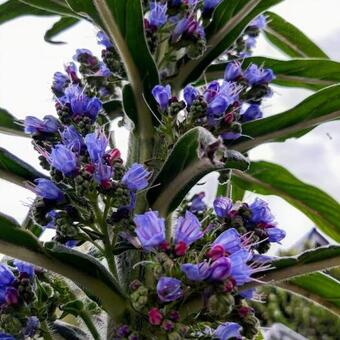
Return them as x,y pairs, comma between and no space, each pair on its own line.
72,139
190,93
83,54
103,71
220,269
275,234
96,144
60,81
218,106
188,26
196,272
260,22
230,240
169,289
31,327
210,4
197,204
240,271
188,229
248,293
4,336
222,206
228,330
233,71
250,43
136,178
6,276
150,229
24,267
157,15
211,91
104,40
63,159
103,174
253,112
230,135
257,75
49,124
71,70
48,190
162,94
261,212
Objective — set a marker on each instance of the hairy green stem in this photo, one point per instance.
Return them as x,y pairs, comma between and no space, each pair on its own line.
45,330
90,325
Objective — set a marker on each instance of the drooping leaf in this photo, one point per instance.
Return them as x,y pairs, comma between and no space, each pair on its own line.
313,74
61,25
230,19
84,270
53,6
13,9
318,287
290,39
14,170
271,179
10,125
321,107
187,163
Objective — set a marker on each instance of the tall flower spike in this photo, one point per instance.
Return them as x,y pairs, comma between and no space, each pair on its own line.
169,289
150,229
63,159
48,190
136,178
228,330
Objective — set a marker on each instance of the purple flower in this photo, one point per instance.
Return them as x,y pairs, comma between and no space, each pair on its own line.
230,240
24,267
210,4
190,94
189,26
103,71
169,289
197,204
261,212
275,234
72,139
96,144
157,15
83,54
260,22
48,190
71,70
250,43
136,178
31,327
222,206
6,276
63,159
220,269
104,40
248,293
49,124
228,330
257,75
253,112
188,229
218,106
233,71
150,229
211,91
196,272
240,271
60,81
4,336
230,135
103,174
162,94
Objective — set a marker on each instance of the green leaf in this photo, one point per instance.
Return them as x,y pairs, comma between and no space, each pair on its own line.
318,287
14,170
230,19
10,125
61,25
290,39
321,107
313,74
84,270
13,9
187,163
271,179
53,6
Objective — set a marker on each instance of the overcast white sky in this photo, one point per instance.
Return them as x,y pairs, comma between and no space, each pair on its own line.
28,63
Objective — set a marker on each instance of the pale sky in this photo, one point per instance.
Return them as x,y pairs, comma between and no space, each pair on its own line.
28,63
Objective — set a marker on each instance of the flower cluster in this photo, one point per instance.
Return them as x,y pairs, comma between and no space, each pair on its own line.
220,106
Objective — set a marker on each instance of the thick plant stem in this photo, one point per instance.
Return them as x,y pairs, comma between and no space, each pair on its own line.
90,325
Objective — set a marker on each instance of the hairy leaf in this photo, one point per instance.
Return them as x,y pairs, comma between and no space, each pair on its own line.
271,179
290,39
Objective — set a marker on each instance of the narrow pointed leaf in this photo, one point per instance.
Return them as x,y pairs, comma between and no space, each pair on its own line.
290,39
84,270
230,19
321,107
10,125
53,6
313,74
61,25
271,179
186,165
14,170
